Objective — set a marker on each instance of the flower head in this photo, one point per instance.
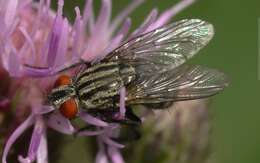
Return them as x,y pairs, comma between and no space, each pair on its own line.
37,42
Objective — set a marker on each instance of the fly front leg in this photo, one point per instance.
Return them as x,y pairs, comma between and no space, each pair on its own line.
50,71
65,67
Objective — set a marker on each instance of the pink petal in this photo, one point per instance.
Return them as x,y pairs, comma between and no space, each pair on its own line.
88,16
63,44
60,7
104,17
36,72
6,32
54,41
92,120
91,133
24,160
50,71
60,123
36,138
111,142
39,128
126,11
77,29
39,18
14,63
42,153
18,132
47,13
148,21
115,42
31,45
101,155
168,14
24,3
54,37
125,27
115,155
122,101
10,12
44,109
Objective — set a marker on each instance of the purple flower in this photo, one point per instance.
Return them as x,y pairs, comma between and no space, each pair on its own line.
32,34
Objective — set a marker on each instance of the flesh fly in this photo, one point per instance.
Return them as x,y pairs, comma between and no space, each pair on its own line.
151,67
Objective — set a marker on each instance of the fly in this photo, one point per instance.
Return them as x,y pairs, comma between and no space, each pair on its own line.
152,69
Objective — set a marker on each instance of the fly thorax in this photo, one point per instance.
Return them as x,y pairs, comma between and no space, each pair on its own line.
61,94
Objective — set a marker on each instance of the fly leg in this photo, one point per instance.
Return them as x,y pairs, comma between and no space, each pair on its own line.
128,134
129,119
89,130
48,71
112,116
67,67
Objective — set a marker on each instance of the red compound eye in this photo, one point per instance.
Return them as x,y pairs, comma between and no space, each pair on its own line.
62,80
69,108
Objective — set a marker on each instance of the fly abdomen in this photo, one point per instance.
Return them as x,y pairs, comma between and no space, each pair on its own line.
100,94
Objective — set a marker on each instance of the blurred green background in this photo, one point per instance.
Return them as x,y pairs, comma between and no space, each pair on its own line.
234,49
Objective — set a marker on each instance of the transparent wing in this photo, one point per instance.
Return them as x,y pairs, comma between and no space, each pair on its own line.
168,46
182,83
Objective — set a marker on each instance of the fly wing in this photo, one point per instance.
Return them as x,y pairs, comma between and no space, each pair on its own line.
182,83
169,46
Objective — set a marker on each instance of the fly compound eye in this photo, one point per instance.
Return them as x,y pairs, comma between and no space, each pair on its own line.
62,80
69,108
